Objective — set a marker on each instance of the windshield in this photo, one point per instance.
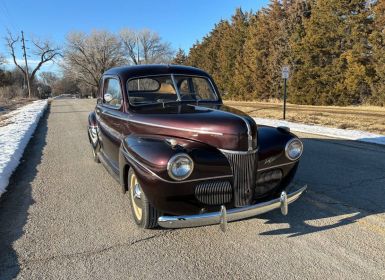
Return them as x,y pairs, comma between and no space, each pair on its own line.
169,88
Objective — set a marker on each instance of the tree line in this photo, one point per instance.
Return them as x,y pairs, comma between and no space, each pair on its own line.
82,61
335,49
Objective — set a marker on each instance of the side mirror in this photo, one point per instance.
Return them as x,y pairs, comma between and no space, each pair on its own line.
108,97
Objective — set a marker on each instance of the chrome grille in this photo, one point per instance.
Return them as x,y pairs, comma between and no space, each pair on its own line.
214,192
244,168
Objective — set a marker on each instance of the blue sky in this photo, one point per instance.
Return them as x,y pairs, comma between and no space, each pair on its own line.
179,22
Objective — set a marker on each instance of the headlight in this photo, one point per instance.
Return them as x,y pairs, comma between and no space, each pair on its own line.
293,149
180,167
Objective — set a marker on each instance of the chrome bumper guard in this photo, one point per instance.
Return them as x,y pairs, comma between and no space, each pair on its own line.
224,216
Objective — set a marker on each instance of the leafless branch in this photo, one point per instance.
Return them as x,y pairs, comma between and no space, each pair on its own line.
42,49
151,47
46,52
11,42
87,57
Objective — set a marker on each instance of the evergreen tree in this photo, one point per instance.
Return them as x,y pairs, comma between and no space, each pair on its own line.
208,55
335,49
378,41
333,57
231,50
266,50
180,57
246,79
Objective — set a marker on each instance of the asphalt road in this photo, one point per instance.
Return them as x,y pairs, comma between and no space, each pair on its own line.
65,218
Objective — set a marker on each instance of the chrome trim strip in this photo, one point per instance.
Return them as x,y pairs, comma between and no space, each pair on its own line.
276,166
238,152
165,126
175,128
249,136
129,155
231,214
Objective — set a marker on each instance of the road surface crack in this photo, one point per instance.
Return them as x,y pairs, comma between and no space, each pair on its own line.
93,252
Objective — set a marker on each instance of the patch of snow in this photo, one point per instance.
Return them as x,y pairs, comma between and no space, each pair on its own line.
15,136
357,135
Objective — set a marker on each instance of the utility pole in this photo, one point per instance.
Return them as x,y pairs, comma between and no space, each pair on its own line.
137,44
26,64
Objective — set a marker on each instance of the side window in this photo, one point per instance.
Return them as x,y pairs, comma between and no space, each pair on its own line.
112,93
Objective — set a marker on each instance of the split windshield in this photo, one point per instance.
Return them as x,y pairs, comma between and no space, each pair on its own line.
169,88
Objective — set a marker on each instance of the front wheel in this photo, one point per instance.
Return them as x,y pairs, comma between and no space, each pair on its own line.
145,215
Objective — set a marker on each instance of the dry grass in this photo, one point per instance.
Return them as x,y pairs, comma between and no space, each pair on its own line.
366,118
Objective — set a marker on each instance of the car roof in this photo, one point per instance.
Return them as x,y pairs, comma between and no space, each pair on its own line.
126,72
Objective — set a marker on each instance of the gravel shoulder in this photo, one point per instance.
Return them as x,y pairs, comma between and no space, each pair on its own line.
64,217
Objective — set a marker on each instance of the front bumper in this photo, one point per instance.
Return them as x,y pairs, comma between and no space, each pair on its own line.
224,216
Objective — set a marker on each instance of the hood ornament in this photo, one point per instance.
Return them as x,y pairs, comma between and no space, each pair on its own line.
172,142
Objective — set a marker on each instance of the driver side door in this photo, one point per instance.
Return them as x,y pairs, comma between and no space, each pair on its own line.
110,113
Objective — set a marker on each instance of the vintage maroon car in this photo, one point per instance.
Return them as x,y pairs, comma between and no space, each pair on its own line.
183,157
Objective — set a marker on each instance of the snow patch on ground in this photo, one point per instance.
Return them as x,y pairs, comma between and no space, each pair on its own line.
15,135
326,131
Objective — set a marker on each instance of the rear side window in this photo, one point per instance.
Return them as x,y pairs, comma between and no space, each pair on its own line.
112,95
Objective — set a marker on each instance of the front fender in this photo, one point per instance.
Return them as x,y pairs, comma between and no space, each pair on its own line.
154,152
272,142
148,157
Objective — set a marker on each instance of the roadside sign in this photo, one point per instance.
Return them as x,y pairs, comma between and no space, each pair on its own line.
285,72
285,76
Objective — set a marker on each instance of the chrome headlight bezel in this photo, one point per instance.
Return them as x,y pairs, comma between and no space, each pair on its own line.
174,160
294,141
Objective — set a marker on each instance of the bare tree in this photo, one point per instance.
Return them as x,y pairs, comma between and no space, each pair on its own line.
87,57
48,78
145,47
2,60
44,50
130,44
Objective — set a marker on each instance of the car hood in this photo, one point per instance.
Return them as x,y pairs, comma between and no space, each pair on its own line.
215,124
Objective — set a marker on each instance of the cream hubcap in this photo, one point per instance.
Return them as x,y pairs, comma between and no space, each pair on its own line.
136,197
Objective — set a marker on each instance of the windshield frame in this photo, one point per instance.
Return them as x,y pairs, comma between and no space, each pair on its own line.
179,99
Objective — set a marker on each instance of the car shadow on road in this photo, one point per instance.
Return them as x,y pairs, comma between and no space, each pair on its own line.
15,203
345,181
